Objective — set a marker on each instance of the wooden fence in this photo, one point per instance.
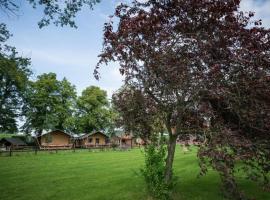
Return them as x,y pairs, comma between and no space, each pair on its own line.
35,150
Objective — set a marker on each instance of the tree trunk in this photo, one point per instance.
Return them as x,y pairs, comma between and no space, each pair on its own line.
169,159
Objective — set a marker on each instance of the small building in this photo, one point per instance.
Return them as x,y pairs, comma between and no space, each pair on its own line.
128,140
115,140
124,140
95,139
56,139
12,143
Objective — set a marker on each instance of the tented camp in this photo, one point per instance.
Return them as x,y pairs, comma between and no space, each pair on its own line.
12,143
56,139
125,140
95,139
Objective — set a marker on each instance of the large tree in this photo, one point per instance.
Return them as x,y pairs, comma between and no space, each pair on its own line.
67,106
149,49
49,103
14,74
93,111
199,60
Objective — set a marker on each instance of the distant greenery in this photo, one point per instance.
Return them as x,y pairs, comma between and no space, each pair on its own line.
53,104
104,176
49,102
14,75
6,135
92,110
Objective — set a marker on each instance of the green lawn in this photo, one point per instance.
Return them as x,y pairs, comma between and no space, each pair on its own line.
6,135
105,175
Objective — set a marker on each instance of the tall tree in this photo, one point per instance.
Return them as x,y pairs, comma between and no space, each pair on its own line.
14,74
49,103
66,108
92,110
146,44
196,60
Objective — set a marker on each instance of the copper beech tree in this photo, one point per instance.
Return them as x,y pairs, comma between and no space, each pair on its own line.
199,61
130,103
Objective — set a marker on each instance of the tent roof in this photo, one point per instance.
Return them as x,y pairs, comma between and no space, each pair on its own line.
47,132
14,141
89,134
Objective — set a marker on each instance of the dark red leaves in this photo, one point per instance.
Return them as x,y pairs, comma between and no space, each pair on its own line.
183,55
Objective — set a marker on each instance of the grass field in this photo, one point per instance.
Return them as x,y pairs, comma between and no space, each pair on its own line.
6,135
109,175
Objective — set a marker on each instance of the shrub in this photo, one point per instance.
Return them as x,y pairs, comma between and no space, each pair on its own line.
153,171
114,145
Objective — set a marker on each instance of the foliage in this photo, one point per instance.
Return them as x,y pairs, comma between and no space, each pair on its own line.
130,103
146,44
66,108
14,75
92,110
114,145
200,62
49,103
6,135
153,171
57,12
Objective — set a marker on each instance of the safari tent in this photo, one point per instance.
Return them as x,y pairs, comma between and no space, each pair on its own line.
94,139
55,139
12,143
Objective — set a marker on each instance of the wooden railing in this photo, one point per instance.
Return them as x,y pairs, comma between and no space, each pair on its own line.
53,147
36,150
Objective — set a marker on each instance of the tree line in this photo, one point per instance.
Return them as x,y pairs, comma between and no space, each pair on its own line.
46,103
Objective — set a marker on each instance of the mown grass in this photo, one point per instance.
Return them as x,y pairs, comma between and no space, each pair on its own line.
111,175
6,135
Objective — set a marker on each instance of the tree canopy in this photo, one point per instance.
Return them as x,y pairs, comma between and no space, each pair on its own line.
49,102
60,13
14,74
200,62
92,110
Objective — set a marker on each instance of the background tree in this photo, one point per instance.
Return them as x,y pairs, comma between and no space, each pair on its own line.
49,103
14,75
92,110
67,106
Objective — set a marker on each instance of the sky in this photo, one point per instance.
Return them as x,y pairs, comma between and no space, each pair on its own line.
73,53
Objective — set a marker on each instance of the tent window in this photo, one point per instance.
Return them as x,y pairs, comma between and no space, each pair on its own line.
97,140
90,140
48,138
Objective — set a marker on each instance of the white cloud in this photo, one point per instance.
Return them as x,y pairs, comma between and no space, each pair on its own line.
60,56
261,9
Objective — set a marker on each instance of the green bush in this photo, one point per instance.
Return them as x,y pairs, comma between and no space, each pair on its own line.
153,171
114,145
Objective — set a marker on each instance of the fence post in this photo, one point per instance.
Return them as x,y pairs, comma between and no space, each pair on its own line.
10,151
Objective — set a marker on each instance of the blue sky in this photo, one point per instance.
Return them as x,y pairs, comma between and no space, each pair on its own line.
72,53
